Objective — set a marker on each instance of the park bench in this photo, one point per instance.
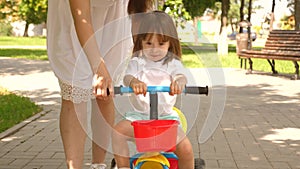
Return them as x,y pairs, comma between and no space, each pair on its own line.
280,45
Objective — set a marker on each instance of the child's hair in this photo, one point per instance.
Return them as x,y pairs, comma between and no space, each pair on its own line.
161,24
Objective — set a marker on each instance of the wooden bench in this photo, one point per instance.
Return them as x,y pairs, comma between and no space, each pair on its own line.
280,45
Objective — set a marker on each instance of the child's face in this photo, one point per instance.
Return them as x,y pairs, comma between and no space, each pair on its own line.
155,50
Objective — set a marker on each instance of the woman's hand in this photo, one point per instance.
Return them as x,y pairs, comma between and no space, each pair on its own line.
102,83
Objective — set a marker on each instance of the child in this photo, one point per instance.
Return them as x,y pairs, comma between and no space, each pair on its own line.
155,61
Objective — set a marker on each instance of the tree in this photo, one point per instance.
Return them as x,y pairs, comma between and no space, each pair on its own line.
33,12
242,14
233,14
176,9
197,7
223,43
272,15
9,10
294,7
297,14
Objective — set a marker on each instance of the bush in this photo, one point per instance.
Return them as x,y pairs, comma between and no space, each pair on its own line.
5,29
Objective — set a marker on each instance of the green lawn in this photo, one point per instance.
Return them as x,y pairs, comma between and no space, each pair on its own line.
14,109
20,41
37,54
209,58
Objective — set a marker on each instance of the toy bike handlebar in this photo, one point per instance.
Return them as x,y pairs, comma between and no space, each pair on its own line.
154,89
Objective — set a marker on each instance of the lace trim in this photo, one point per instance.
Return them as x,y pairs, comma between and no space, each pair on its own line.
74,93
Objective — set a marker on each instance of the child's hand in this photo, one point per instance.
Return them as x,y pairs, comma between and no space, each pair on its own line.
138,87
176,87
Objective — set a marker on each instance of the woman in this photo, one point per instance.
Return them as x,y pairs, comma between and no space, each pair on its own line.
86,42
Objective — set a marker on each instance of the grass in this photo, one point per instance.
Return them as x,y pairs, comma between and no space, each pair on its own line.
14,109
191,58
36,54
209,58
22,41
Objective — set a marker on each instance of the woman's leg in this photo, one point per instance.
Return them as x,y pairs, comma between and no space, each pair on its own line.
72,124
122,132
102,119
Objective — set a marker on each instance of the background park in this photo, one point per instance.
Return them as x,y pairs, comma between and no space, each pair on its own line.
201,25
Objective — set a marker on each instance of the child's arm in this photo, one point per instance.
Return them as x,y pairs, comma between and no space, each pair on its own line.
178,84
137,86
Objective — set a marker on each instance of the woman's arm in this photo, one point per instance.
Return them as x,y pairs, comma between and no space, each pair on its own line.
81,13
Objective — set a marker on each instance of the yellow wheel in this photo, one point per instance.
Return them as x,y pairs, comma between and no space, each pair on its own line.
152,160
182,118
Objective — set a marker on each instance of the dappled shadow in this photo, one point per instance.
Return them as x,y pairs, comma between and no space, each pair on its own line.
11,66
260,126
43,96
30,78
290,76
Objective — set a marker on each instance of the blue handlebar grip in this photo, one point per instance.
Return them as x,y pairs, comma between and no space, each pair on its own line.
155,89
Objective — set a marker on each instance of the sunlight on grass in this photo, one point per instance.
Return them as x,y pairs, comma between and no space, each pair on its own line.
14,109
35,54
210,59
19,41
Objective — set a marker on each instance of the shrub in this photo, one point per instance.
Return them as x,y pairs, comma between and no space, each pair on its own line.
5,29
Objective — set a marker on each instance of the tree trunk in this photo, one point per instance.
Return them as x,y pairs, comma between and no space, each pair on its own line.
223,43
272,15
297,14
242,14
26,30
249,27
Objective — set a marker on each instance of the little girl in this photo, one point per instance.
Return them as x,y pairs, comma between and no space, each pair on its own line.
155,61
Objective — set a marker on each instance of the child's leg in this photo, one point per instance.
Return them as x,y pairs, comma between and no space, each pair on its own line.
123,131
184,151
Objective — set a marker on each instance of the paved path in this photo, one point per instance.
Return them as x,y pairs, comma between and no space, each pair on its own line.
259,127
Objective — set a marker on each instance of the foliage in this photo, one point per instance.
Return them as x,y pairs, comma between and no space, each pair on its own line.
291,6
234,14
9,10
176,9
197,7
286,24
14,109
5,29
33,11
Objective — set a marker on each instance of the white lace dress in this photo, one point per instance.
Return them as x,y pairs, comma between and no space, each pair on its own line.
67,60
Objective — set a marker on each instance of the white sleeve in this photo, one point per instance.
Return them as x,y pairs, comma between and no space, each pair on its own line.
176,67
132,68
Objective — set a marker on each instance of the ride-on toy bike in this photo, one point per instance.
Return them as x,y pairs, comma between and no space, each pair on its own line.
155,138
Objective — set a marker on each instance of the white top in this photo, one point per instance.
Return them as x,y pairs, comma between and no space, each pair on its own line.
154,74
66,57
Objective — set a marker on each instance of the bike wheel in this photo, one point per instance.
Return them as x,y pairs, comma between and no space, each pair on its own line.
199,163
